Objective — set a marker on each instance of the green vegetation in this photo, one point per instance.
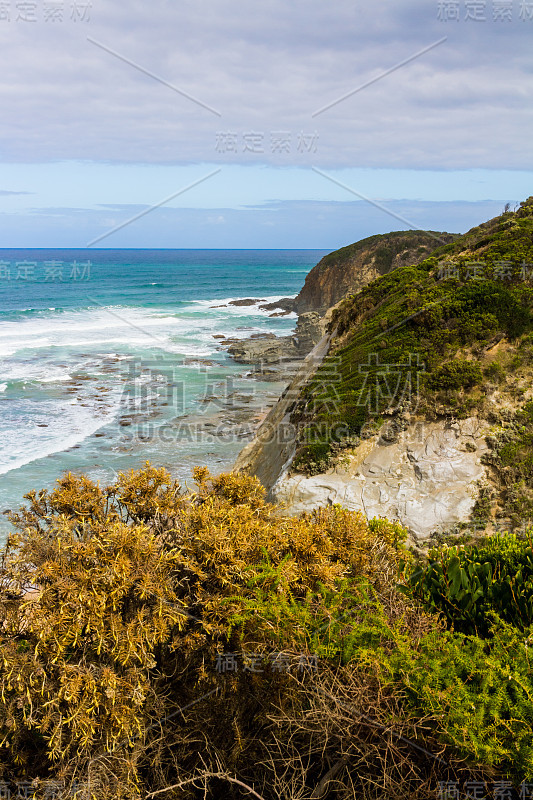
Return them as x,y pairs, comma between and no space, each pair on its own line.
512,457
412,340
478,673
389,246
468,585
458,374
481,694
110,671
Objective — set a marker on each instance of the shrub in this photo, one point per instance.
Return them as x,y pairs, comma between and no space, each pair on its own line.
494,371
139,589
479,695
109,672
469,584
456,374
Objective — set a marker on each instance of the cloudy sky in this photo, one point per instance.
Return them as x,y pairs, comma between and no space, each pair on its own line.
203,123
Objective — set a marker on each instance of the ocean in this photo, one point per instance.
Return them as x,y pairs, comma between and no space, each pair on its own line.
108,358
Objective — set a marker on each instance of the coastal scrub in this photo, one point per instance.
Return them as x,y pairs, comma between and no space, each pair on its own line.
153,637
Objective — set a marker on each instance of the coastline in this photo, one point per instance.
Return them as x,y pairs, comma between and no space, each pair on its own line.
129,365
139,413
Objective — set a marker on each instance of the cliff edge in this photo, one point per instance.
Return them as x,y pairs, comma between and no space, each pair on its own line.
422,408
351,268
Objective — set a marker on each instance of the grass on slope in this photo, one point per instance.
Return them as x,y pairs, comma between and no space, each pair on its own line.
409,341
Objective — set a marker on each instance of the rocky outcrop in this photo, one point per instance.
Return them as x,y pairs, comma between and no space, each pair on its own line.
245,301
426,477
309,331
271,349
287,303
347,270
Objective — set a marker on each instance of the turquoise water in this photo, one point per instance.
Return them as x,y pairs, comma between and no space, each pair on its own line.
108,358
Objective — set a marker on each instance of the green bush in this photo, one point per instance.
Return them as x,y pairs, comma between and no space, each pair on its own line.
468,584
511,455
494,371
479,693
458,374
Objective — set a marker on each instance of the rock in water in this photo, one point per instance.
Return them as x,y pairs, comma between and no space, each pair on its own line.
267,351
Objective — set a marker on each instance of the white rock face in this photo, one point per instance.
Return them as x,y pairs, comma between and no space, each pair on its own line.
426,478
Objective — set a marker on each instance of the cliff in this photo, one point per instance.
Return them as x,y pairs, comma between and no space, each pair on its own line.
422,409
427,478
338,274
351,268
273,447
342,272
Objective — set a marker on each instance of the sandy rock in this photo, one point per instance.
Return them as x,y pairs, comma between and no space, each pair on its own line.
309,331
426,479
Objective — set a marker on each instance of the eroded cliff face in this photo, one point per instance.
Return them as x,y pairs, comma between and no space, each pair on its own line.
427,478
273,447
347,270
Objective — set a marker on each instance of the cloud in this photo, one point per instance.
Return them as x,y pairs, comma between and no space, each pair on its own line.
7,193
267,68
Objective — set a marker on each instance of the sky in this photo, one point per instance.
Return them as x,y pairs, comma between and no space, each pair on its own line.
278,124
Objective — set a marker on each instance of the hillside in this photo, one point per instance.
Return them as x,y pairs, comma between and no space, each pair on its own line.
352,267
447,344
